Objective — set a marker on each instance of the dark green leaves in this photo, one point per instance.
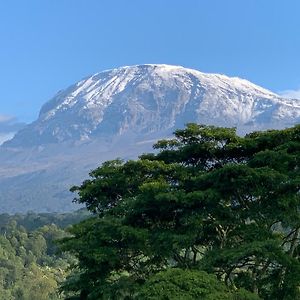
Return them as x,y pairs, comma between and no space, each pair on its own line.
208,200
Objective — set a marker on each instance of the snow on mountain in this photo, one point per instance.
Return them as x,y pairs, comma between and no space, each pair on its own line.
147,99
121,113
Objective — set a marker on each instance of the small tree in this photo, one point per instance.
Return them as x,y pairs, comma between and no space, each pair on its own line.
176,284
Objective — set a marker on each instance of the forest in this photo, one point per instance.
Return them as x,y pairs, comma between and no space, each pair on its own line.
31,266
207,215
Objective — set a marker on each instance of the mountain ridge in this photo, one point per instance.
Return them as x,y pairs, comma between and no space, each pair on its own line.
121,113
149,98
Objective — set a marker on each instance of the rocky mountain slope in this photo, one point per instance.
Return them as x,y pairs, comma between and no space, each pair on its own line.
121,112
152,98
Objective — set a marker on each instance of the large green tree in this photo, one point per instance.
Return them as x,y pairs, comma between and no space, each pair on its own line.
207,200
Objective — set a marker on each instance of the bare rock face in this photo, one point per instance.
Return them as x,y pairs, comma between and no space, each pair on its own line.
120,113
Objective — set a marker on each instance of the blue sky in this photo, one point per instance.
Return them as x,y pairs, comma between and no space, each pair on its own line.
47,45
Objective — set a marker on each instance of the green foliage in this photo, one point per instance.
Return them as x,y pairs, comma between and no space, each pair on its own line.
31,268
207,201
177,284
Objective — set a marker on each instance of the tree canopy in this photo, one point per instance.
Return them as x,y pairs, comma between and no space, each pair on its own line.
31,267
206,203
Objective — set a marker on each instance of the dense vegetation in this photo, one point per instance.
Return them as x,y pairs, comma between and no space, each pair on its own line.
210,216
31,268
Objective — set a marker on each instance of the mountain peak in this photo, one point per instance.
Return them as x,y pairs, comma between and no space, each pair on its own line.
154,98
121,113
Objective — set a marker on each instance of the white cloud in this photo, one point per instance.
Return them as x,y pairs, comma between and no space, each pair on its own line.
6,118
9,124
6,136
295,94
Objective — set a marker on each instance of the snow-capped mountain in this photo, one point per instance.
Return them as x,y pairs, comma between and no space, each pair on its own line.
147,99
121,113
